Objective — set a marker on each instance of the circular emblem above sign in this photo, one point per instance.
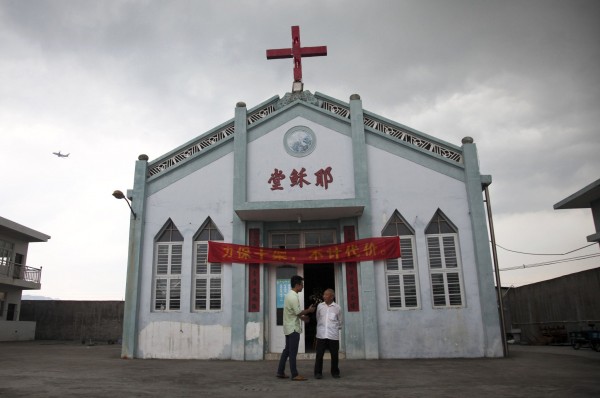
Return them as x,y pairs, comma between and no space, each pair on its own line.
299,141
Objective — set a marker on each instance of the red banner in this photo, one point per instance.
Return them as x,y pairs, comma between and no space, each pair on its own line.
359,250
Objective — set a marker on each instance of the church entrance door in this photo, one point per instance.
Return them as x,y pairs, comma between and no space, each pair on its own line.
317,277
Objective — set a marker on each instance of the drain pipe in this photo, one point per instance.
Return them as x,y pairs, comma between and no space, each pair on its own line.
496,271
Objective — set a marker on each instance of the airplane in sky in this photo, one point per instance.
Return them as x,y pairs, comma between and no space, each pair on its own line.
60,155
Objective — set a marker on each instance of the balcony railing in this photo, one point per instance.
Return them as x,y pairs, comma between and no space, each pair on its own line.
17,271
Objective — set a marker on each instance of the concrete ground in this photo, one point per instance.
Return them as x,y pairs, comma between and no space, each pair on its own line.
59,369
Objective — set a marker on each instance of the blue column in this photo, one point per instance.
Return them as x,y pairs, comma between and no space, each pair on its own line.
368,294
483,257
134,258
238,299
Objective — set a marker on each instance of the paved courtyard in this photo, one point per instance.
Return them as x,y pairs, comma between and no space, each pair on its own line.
59,369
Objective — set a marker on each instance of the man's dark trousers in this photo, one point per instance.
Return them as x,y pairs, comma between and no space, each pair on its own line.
333,346
292,341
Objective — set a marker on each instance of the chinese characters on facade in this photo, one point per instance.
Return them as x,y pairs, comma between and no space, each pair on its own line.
298,178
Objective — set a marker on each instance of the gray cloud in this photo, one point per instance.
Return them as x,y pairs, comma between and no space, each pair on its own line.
110,80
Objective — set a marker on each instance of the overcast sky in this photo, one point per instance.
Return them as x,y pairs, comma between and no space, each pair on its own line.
109,80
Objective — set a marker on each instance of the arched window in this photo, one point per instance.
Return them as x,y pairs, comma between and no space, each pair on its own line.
167,268
207,276
401,274
444,262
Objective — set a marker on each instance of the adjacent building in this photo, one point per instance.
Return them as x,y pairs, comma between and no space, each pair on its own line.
15,276
587,197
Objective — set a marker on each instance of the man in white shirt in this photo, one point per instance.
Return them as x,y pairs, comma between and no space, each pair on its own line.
329,323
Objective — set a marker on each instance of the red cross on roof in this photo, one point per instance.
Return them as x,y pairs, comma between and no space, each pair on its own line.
297,53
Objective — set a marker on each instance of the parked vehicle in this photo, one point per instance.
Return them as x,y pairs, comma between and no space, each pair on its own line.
585,338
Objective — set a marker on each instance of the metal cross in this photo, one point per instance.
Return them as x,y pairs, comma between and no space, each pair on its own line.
297,53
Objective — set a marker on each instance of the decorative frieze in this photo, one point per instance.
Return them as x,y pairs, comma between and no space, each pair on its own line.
397,132
207,141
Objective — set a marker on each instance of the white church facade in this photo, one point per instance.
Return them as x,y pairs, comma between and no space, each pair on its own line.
299,172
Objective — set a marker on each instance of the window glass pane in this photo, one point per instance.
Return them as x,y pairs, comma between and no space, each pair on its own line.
394,293
406,253
439,293
165,237
454,288
432,229
292,240
174,294
162,259
435,254
176,255
215,234
215,268
311,239
160,301
278,241
327,238
208,231
176,236
201,294
389,230
391,264
170,234
410,291
201,257
204,235
445,228
450,252
396,226
403,230
215,294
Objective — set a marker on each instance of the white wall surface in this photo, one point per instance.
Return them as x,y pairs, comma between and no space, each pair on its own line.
417,192
267,153
188,202
182,340
17,330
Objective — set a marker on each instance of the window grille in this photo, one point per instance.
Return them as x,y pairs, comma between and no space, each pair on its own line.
401,273
444,262
208,281
167,269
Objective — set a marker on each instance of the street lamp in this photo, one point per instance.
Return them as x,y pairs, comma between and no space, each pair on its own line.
119,195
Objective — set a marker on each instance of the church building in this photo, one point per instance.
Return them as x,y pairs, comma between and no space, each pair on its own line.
310,185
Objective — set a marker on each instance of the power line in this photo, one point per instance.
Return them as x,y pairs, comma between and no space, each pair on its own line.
563,260
545,254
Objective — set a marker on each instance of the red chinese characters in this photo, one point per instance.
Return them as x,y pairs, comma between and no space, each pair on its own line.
323,178
354,251
275,180
297,178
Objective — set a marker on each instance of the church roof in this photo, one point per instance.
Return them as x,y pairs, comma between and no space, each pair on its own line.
403,135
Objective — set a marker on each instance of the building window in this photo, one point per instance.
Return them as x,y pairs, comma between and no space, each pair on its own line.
444,262
167,269
208,281
6,256
401,275
2,301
